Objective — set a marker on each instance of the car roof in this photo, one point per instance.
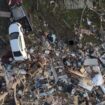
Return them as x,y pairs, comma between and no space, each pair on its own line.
14,45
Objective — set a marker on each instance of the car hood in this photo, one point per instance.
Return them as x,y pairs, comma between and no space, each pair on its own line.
13,28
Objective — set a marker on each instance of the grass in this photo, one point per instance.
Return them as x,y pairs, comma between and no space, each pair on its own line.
91,39
27,4
93,17
72,17
61,20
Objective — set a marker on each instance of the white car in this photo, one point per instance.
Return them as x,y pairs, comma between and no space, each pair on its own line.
17,42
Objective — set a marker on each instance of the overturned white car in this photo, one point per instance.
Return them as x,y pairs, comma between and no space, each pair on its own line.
17,42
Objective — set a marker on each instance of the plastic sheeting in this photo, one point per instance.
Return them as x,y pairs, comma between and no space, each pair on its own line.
98,80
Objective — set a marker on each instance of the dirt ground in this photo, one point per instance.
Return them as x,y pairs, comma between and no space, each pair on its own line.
4,22
59,20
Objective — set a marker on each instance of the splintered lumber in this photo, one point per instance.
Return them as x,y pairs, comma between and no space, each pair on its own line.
75,100
77,73
3,96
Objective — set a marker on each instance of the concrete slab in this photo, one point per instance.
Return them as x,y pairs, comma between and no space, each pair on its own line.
91,62
78,4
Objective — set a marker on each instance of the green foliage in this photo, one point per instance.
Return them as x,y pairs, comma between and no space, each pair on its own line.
73,16
27,4
91,39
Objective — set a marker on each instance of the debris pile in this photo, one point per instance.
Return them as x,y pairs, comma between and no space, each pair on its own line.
57,73
56,70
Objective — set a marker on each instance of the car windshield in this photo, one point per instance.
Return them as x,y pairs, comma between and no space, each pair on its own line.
14,35
17,53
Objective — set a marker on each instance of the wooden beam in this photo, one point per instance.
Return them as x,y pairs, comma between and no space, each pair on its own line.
5,14
75,100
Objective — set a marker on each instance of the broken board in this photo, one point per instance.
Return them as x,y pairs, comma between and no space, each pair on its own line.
5,14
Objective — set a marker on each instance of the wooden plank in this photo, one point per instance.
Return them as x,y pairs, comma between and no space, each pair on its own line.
5,14
75,100
77,73
3,96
